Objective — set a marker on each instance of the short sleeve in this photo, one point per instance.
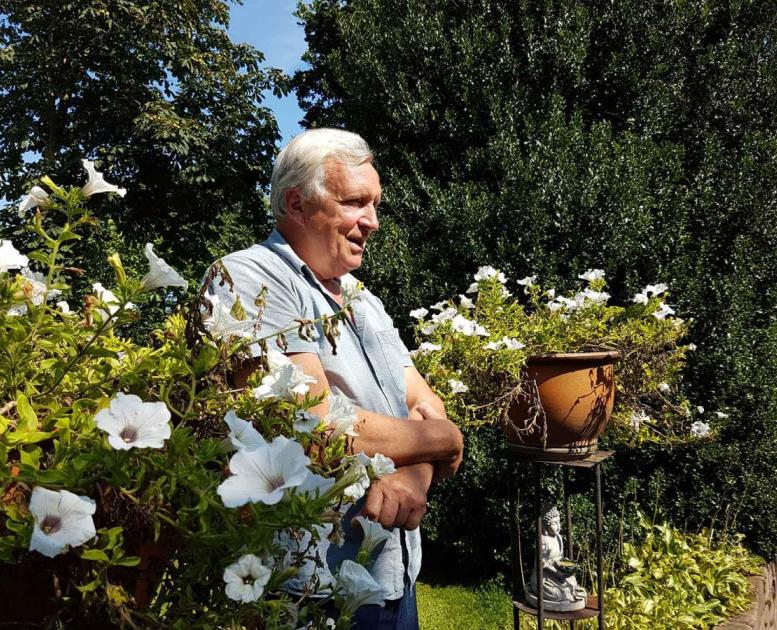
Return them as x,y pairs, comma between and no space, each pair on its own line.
251,277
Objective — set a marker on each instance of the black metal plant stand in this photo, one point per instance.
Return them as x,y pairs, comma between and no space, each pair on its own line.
595,604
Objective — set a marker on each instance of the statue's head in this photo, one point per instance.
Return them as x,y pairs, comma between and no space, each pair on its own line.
551,521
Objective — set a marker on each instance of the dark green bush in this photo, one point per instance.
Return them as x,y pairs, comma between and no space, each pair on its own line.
549,137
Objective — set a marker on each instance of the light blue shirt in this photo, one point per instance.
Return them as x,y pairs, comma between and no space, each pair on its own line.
368,367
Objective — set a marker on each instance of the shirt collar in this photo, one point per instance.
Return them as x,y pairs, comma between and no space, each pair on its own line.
280,246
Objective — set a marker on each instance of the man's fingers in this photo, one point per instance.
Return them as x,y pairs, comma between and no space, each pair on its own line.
373,505
388,511
403,512
414,518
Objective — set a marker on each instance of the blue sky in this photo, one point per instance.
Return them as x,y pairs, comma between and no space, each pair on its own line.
270,26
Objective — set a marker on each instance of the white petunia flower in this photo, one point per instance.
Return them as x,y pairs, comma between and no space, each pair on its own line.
286,382
457,387
36,197
10,258
663,310
465,302
276,360
222,325
442,304
700,409
588,295
358,587
374,533
592,275
35,287
428,329
555,306
263,474
473,288
656,289
700,429
512,344
691,346
160,274
551,293
242,434
382,465
341,415
109,299
468,327
444,315
246,579
315,485
664,387
419,313
721,415
486,272
425,348
63,306
306,422
641,298
62,520
527,282
132,423
358,488
97,184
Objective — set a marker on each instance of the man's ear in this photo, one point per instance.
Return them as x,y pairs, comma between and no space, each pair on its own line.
292,198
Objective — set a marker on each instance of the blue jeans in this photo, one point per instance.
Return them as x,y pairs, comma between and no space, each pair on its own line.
397,614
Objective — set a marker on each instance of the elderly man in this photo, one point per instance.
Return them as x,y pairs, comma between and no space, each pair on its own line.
325,195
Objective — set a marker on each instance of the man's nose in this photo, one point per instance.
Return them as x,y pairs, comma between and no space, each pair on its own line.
369,220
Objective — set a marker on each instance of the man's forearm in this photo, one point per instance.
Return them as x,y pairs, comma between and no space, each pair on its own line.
407,442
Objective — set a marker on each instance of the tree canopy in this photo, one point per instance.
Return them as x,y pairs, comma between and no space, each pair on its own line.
156,92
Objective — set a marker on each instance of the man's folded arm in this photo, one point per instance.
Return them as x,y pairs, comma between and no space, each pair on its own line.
436,439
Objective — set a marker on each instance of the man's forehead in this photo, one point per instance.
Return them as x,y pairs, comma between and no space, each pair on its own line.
341,178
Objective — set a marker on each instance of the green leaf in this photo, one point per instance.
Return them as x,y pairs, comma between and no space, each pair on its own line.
128,561
28,421
97,555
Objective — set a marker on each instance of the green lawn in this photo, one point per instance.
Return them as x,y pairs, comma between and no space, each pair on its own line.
460,608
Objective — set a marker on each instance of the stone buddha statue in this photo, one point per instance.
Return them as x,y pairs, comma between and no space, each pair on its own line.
560,591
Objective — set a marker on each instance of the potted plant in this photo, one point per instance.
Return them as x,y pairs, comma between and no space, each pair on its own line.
547,366
126,492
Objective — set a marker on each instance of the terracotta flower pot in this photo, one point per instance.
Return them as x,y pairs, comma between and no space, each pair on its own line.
575,392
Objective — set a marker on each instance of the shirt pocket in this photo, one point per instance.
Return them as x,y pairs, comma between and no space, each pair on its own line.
393,351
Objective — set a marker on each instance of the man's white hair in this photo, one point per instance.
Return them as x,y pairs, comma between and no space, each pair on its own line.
302,163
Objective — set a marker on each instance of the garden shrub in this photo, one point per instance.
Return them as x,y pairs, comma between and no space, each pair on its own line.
545,138
110,448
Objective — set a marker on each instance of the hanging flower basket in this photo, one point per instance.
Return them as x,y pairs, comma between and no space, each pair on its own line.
564,405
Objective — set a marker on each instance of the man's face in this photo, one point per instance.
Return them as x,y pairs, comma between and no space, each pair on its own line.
338,222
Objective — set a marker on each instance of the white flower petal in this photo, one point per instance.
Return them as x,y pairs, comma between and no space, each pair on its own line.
96,183
36,197
242,433
160,274
62,520
10,258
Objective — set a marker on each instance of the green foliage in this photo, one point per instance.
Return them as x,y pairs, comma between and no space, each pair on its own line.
155,506
547,137
667,580
672,580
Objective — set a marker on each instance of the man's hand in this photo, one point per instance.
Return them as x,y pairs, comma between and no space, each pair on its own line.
399,499
442,469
